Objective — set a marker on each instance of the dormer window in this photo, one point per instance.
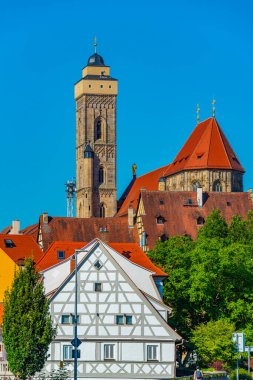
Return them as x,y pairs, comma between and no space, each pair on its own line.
160,220
9,243
200,221
61,255
163,238
161,202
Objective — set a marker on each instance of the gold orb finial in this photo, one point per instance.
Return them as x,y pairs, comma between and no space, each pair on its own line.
213,108
198,113
95,45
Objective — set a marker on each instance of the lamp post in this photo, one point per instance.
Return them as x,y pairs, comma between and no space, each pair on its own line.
75,322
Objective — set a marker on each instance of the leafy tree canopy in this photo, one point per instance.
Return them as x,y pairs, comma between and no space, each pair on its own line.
210,279
27,326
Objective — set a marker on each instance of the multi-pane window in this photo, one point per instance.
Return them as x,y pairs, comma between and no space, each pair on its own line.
124,319
119,319
67,352
65,319
152,352
98,287
108,351
129,319
68,318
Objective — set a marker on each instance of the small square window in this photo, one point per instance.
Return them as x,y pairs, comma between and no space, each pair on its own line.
110,86
161,202
101,86
228,203
98,287
129,320
9,243
67,352
65,319
119,320
108,351
89,85
61,255
98,265
151,352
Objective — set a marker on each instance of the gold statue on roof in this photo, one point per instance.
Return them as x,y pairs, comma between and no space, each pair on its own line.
134,168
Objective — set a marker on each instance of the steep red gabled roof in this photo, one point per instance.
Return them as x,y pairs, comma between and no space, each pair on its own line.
148,181
206,148
23,246
131,251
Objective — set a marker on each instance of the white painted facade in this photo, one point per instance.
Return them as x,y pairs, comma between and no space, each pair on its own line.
121,315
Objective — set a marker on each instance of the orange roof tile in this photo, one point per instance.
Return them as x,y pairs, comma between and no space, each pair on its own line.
131,251
148,181
207,147
23,246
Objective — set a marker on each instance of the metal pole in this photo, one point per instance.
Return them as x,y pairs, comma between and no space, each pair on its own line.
237,369
249,359
75,321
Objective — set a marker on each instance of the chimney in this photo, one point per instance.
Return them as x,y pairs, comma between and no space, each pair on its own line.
200,196
130,216
104,234
15,228
72,264
45,217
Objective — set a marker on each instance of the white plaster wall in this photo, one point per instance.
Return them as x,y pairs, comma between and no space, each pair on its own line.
132,352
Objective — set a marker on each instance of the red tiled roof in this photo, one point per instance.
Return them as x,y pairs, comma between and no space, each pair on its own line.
181,217
1,312
131,251
148,181
24,246
207,147
86,229
31,230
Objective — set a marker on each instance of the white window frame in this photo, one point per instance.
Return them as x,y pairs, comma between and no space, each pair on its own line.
109,351
67,349
152,352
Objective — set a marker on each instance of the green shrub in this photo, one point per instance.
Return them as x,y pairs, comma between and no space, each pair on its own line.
243,375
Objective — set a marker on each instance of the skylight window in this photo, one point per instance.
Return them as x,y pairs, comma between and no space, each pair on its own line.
9,243
61,255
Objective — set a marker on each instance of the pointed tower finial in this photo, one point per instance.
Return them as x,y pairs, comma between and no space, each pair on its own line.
197,112
213,108
95,45
134,168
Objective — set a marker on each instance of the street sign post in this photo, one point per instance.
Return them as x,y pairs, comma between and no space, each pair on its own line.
249,349
239,340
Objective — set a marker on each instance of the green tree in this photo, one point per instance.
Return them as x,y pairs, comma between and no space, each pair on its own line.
27,325
209,279
214,227
213,342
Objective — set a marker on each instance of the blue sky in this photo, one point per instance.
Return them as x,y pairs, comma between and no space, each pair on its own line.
167,55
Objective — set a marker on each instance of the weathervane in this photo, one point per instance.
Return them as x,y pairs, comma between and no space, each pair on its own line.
197,112
213,108
95,44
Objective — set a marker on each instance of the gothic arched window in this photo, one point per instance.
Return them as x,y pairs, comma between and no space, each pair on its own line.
101,174
217,186
102,210
100,129
195,185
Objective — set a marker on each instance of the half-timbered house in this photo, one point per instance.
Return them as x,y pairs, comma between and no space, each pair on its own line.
122,320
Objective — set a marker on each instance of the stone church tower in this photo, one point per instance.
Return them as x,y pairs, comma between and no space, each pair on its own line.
95,96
